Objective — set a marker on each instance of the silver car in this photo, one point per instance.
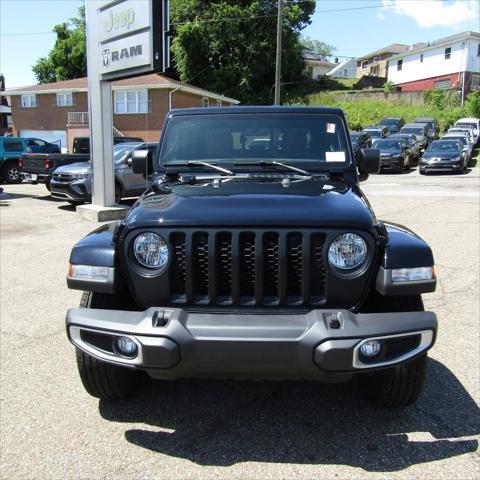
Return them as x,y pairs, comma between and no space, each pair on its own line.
73,182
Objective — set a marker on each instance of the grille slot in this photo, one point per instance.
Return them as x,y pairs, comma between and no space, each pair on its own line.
250,268
178,267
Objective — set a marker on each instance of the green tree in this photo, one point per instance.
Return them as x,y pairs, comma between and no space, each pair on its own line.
317,46
228,46
68,58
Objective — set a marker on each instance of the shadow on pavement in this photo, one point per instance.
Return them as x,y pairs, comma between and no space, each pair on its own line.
224,422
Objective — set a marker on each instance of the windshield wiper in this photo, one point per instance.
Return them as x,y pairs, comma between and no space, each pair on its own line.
264,163
194,163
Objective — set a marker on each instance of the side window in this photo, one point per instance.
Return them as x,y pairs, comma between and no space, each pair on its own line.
13,145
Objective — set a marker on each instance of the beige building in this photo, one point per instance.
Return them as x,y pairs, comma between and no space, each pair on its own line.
375,63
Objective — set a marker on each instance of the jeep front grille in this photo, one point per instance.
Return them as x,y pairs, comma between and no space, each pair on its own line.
248,268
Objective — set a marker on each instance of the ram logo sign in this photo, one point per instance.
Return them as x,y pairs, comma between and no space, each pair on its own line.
116,55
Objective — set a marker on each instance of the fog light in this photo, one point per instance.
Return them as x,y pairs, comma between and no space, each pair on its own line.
370,348
125,346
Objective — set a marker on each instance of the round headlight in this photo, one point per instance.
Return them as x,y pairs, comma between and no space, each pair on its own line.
151,250
347,251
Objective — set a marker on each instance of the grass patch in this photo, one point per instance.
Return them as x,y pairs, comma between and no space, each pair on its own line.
363,113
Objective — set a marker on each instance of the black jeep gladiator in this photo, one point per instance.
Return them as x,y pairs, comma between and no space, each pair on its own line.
254,254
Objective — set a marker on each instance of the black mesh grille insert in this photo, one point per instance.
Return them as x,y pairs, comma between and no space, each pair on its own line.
294,264
177,269
247,264
224,264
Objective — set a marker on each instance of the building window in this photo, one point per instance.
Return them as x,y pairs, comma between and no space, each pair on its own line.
448,52
399,65
219,103
478,50
205,102
345,72
376,59
29,101
364,64
421,58
443,84
64,99
475,83
132,101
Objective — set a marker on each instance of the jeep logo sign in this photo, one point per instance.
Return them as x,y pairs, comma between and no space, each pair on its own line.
128,36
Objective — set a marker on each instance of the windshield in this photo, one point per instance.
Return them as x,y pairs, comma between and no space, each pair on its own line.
466,125
443,146
312,140
388,121
121,150
462,139
374,133
387,144
355,138
416,131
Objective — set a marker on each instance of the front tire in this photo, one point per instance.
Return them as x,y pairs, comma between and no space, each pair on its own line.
101,379
402,384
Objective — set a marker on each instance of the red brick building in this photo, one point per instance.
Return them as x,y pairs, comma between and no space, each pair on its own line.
59,111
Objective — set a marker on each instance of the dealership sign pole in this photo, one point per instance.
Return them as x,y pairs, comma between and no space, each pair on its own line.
125,38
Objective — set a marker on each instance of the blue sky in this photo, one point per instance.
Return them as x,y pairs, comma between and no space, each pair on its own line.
362,26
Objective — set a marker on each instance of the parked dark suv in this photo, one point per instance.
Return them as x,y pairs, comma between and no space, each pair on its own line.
394,124
253,263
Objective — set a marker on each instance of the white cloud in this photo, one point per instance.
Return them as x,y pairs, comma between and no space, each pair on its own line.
435,13
381,16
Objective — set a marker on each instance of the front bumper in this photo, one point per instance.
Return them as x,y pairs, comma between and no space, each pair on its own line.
390,163
321,344
441,167
75,191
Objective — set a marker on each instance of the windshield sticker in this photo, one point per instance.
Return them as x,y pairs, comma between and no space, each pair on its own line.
331,128
335,156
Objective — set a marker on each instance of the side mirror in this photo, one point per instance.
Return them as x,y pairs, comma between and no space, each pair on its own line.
142,162
368,161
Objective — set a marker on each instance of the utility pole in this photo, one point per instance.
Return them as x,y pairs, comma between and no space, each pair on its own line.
278,62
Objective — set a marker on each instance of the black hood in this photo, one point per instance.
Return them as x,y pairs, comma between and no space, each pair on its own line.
311,202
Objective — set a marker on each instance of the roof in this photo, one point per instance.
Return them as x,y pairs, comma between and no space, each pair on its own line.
342,65
312,57
441,41
393,48
151,81
255,109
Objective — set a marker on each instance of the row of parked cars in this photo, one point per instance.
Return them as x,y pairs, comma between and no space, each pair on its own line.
403,146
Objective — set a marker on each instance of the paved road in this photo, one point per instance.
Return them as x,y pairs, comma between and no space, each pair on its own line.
50,428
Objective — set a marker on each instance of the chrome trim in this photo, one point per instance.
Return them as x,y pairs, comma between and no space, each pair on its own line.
76,339
426,340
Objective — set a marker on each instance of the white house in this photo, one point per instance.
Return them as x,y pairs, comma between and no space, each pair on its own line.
317,65
345,69
450,62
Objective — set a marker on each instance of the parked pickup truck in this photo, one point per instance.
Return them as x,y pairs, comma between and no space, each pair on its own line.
253,263
39,167
12,148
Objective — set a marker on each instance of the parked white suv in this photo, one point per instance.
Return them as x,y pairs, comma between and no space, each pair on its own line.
470,122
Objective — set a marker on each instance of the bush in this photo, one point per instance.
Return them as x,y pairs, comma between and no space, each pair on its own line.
389,87
472,105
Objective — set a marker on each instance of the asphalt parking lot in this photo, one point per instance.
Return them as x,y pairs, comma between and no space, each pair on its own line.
50,428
